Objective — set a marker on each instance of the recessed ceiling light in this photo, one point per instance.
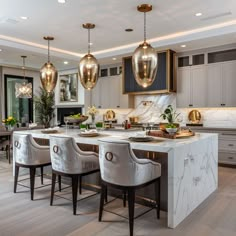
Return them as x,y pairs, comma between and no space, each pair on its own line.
0,49
24,17
198,14
113,58
183,46
66,62
90,43
61,1
129,30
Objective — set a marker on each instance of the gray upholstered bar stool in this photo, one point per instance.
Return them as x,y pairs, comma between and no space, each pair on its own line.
121,169
69,160
28,154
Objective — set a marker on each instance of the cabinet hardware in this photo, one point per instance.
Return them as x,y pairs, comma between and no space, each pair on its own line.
230,145
190,105
231,158
99,106
118,106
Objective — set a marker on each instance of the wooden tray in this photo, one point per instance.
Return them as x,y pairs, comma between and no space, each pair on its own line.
163,134
53,131
141,139
88,134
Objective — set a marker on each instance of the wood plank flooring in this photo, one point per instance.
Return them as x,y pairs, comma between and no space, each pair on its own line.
19,216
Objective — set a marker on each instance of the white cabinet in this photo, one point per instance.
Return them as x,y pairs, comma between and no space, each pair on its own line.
107,94
191,86
221,83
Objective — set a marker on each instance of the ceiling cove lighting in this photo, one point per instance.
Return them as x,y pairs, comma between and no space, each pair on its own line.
23,90
48,73
88,65
144,59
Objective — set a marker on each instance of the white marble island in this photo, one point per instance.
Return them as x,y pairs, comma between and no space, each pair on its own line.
192,166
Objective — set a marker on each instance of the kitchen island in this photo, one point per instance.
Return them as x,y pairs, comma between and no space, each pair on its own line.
192,170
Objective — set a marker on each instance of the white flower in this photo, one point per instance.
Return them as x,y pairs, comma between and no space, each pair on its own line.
92,110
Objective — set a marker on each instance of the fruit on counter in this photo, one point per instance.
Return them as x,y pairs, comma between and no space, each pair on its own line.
77,115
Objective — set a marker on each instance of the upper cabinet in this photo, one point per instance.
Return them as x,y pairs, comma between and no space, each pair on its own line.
207,83
191,87
221,84
107,94
164,81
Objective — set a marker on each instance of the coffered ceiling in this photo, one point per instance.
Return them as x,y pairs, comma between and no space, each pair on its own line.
170,24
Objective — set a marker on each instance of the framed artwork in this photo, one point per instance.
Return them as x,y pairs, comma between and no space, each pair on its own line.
68,85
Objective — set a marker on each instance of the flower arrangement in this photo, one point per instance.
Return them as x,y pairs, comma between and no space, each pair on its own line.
10,121
92,110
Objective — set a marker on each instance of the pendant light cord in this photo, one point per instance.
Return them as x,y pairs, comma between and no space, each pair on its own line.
48,51
145,36
24,68
88,41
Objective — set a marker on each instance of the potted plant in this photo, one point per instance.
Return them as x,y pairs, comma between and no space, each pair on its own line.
9,122
44,105
170,115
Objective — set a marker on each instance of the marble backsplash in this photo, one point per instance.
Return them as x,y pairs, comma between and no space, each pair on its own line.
149,107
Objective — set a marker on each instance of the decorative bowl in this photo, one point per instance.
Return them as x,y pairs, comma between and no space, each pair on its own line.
73,120
171,130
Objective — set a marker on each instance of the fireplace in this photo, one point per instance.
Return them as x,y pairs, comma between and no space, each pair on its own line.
67,111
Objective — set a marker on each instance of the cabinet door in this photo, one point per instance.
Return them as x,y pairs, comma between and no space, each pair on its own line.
105,93
96,100
115,91
214,85
229,83
198,86
183,87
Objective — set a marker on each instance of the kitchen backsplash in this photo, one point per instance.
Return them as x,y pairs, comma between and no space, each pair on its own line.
149,107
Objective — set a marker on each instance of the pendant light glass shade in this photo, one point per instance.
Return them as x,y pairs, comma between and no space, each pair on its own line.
23,90
88,65
145,59
48,73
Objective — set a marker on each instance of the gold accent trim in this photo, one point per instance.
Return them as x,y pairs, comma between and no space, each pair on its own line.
144,7
48,38
88,26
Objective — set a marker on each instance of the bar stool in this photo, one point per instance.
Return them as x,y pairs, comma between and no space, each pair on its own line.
121,169
69,160
28,154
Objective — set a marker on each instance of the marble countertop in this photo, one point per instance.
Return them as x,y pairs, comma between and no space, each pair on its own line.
158,144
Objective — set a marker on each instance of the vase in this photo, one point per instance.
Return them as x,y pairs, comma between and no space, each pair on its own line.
10,127
93,121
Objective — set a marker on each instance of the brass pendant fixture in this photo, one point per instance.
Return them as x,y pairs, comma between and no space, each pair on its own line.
88,65
23,90
48,73
144,59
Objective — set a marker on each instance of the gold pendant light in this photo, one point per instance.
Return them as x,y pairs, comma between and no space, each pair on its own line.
23,90
144,59
88,65
48,73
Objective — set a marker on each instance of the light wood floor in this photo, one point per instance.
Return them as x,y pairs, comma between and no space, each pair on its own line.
19,216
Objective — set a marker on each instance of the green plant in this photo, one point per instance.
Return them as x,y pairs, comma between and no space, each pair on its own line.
170,115
44,105
10,121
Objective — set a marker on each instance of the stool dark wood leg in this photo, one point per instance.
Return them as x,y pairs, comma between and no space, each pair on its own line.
131,199
75,179
41,168
32,180
158,196
59,183
54,176
105,194
124,198
16,177
80,184
102,197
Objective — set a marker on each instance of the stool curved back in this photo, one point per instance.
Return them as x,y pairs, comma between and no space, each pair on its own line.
67,157
27,152
120,166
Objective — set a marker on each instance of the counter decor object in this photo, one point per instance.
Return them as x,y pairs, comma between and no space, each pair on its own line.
89,133
134,119
194,116
75,119
176,135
